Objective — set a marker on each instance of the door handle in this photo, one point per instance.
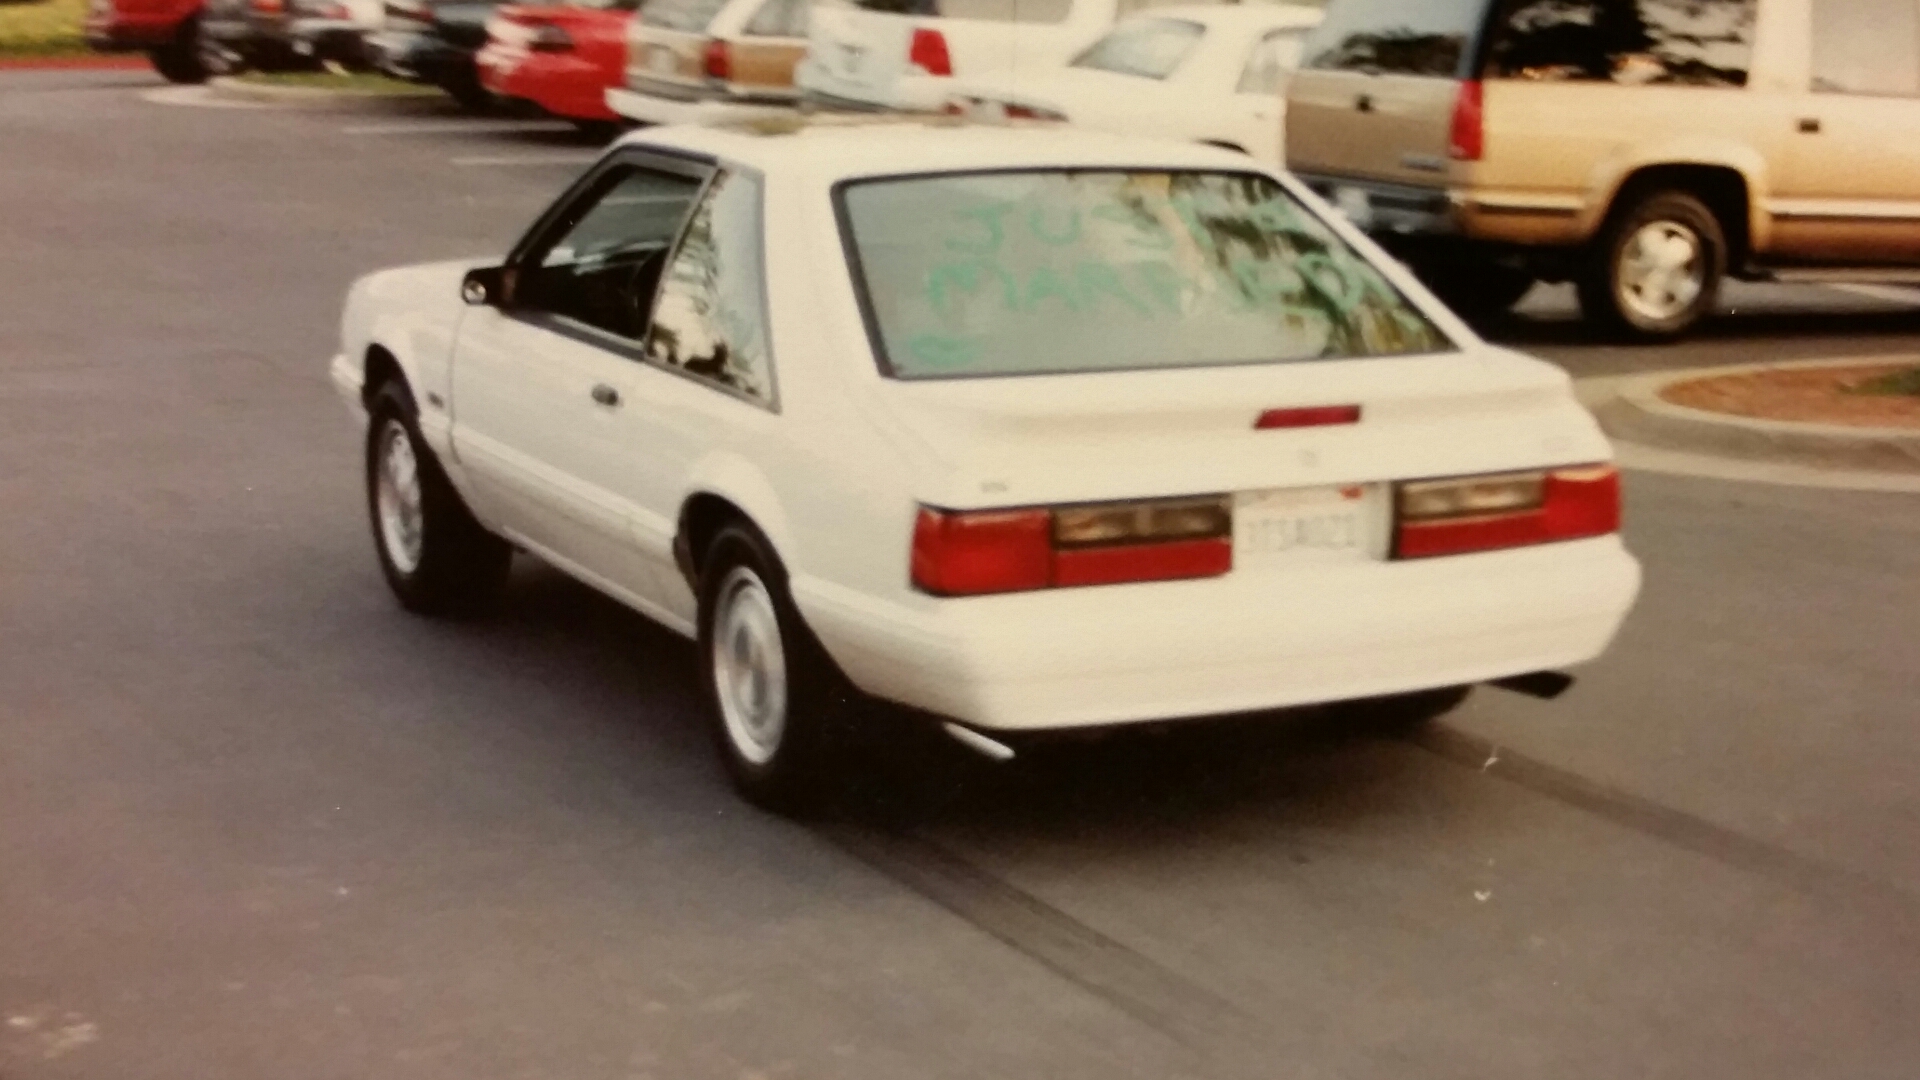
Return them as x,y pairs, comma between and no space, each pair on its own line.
1809,125
606,395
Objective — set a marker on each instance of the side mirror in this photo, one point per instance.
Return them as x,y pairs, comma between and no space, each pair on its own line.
485,287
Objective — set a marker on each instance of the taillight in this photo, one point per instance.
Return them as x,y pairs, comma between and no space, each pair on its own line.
1028,112
550,38
717,61
268,7
1311,416
998,551
1487,513
929,52
1467,137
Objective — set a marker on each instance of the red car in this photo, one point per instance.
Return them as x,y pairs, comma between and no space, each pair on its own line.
561,58
166,30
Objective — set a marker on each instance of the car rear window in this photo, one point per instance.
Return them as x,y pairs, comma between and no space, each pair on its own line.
1006,11
689,16
1398,37
1631,42
1051,272
1148,48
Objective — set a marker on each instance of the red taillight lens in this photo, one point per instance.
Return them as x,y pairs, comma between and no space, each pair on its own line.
1487,513
998,551
268,7
929,52
1313,416
717,61
1467,139
972,554
550,38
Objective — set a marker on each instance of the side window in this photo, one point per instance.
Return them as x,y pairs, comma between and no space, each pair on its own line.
1866,47
1271,62
1630,42
711,322
603,267
780,18
1398,37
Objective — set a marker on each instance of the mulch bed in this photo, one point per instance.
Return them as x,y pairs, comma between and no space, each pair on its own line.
1812,395
107,62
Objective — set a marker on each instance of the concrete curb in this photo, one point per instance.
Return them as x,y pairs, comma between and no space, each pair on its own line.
1631,409
307,97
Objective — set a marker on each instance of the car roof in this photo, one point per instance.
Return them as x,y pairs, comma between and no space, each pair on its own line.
839,146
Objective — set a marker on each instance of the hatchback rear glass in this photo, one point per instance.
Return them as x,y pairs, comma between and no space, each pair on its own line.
1054,272
1147,48
1006,11
689,16
1398,37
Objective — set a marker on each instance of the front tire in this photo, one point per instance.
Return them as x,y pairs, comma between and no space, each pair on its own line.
436,557
1657,269
775,699
179,60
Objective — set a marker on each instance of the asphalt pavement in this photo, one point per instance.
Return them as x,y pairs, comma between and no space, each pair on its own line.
255,821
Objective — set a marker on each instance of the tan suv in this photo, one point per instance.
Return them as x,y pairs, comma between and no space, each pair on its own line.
1643,149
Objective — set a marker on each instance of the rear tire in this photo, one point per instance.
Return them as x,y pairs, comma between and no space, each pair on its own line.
437,558
179,60
777,703
467,92
1402,714
1656,269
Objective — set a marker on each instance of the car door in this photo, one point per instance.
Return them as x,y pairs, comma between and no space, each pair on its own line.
542,377
1848,190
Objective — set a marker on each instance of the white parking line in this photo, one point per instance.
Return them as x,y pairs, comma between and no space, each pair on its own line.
1898,294
510,160
458,127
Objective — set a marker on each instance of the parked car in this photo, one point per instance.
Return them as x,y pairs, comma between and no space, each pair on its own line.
563,58
280,35
168,31
898,54
1209,74
434,41
1643,149
692,61
1024,427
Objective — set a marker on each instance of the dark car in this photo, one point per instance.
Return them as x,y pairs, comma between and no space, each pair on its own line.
284,35
434,41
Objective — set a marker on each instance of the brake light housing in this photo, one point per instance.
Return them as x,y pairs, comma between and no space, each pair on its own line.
975,553
1464,515
717,60
928,52
1467,134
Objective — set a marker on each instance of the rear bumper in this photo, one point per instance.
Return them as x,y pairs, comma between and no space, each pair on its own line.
648,109
1094,657
561,84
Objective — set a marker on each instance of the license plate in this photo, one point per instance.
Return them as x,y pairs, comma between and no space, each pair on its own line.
663,61
1355,205
1309,525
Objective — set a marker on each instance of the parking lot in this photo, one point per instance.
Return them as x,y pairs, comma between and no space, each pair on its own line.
255,821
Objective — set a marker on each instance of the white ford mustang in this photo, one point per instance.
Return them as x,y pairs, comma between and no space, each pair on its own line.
1022,427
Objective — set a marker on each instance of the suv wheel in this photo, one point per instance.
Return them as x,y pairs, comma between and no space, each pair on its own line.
1658,267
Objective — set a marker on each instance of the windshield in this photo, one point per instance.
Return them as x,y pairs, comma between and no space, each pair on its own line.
1018,273
1148,48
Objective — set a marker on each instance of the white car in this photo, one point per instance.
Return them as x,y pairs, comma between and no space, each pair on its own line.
1024,427
1207,74
898,54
